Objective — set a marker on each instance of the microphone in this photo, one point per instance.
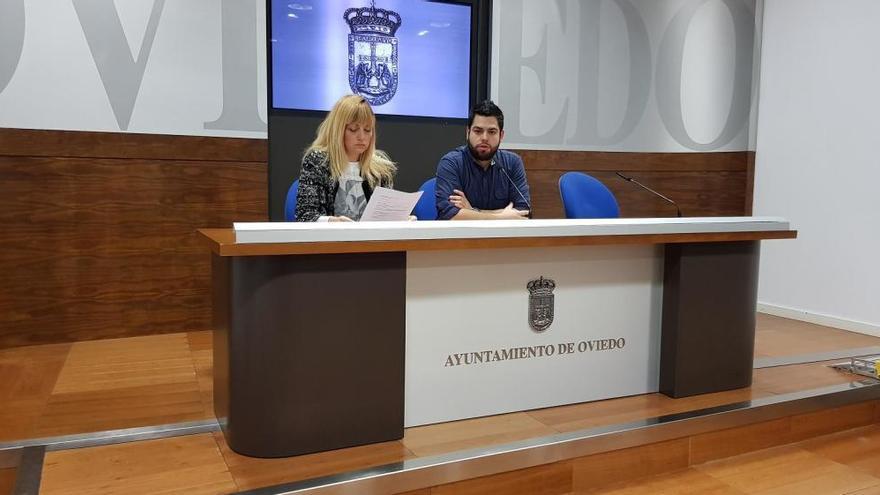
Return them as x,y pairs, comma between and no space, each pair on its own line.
517,189
655,193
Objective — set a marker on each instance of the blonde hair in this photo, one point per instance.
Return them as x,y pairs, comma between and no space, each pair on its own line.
376,166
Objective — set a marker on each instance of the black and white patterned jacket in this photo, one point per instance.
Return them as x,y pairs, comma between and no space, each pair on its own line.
317,189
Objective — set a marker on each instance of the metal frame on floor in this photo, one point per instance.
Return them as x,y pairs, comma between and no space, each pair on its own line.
463,465
27,455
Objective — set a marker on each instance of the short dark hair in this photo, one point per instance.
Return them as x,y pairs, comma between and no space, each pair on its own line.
487,108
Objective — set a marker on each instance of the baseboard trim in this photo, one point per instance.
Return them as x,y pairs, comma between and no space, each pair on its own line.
820,319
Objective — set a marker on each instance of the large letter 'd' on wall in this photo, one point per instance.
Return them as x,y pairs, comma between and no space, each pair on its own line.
639,74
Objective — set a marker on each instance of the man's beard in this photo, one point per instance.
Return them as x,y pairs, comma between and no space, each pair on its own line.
482,156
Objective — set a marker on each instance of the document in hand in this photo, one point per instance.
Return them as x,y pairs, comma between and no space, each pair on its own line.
390,205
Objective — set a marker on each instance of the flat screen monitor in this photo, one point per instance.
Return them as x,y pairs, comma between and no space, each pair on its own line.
406,57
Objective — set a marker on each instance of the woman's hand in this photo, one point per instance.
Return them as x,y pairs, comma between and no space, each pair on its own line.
341,218
412,218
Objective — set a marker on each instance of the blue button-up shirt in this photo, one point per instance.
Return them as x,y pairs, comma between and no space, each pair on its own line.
488,189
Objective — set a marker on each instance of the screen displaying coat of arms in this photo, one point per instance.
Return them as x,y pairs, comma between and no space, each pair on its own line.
406,57
372,53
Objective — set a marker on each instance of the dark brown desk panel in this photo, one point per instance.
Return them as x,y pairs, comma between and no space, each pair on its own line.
708,329
309,351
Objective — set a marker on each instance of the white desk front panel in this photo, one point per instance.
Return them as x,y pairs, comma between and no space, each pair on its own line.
469,302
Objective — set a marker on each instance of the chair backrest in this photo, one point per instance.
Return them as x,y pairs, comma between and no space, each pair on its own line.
426,208
290,202
583,196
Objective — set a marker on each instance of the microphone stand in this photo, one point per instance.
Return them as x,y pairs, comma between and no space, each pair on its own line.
521,195
630,179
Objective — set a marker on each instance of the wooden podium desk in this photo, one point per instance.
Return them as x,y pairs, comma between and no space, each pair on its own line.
310,320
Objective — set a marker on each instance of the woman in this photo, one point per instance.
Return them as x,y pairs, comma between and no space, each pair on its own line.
342,167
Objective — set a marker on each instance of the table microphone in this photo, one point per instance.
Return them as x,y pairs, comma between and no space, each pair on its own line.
517,189
655,193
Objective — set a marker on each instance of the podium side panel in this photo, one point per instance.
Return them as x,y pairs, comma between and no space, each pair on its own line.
316,352
708,329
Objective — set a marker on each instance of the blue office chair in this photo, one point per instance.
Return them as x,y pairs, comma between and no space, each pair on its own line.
290,202
583,196
426,208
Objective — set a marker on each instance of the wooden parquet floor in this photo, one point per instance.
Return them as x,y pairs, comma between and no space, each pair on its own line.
842,463
95,386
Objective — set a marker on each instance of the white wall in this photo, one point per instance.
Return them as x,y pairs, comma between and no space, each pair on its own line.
817,160
624,75
191,67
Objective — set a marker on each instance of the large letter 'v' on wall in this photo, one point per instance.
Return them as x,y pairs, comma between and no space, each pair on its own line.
119,71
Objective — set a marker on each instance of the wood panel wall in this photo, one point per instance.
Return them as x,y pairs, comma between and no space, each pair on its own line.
703,184
98,230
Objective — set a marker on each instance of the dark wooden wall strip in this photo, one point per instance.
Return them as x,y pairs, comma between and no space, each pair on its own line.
750,183
26,142
99,248
733,161
703,184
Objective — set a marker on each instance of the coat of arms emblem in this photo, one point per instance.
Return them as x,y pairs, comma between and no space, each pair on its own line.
541,303
372,52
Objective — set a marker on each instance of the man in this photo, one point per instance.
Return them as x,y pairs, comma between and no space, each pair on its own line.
479,181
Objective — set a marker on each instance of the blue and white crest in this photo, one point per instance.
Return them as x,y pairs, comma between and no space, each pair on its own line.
372,52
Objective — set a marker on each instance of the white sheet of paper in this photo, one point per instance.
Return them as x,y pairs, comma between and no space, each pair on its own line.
390,205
